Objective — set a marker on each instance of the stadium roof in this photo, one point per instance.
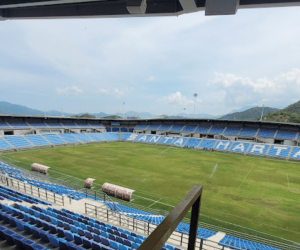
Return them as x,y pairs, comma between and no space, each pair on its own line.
37,9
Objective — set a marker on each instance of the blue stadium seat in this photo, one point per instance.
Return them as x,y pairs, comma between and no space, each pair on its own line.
216,129
281,151
240,147
266,132
177,127
82,137
110,136
286,134
165,126
54,139
189,128
37,140
180,141
193,142
206,143
167,140
95,136
232,131
70,138
258,149
141,126
153,126
248,132
143,138
203,129
222,145
18,141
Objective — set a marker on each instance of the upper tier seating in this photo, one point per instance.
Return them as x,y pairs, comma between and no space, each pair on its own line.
19,124
114,129
54,139
279,151
141,126
189,128
266,132
232,131
193,142
125,137
258,149
130,130
216,129
37,140
18,141
96,125
153,127
124,130
179,141
286,134
69,138
83,125
108,129
240,147
110,136
4,144
69,124
54,124
249,132
177,127
167,140
223,145
82,137
95,136
165,127
4,125
207,143
38,125
203,129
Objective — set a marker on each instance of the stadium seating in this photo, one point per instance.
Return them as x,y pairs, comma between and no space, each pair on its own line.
96,125
248,132
193,142
167,140
18,141
82,137
54,139
95,136
179,141
295,154
141,126
216,129
37,140
113,129
83,125
203,129
265,132
70,138
143,138
124,130
38,125
108,129
258,149
4,125
153,127
129,137
19,125
223,145
110,136
232,131
240,147
279,151
189,128
154,139
165,126
54,124
130,130
177,127
69,124
286,134
206,143
4,144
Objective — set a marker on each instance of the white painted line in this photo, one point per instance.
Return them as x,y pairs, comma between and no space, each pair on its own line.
215,168
164,151
155,202
246,177
288,179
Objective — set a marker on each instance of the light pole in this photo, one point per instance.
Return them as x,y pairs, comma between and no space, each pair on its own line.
62,112
195,96
262,112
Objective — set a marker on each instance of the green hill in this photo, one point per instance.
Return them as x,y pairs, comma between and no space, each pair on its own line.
289,114
249,114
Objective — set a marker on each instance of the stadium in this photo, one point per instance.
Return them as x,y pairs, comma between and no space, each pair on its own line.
158,161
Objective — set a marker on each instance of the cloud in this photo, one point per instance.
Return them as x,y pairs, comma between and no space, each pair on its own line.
104,91
69,91
118,93
178,99
151,79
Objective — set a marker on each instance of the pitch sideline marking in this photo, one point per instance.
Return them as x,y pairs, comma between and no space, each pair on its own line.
155,202
245,177
164,151
287,175
215,168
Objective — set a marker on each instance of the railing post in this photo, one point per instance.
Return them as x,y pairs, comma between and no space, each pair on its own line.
181,239
7,181
63,200
46,195
148,228
133,224
107,215
39,192
54,197
24,187
31,189
18,186
201,244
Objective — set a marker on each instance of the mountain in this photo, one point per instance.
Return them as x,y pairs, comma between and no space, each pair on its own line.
184,115
249,114
241,109
7,108
289,114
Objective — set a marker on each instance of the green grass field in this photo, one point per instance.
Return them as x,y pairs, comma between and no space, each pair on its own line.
256,193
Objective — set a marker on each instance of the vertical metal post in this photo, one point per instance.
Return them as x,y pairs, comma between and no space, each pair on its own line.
120,218
133,224
39,192
148,227
107,215
96,211
54,197
194,223
18,186
86,193
46,194
181,239
63,200
7,181
31,189
201,244
24,187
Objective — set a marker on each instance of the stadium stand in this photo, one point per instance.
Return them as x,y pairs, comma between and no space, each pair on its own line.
258,149
69,124
167,140
223,145
240,147
96,125
38,125
108,129
154,139
143,138
54,139
279,151
153,127
4,145
113,129
286,134
216,129
129,137
207,143
124,130
69,138
83,125
17,141
82,137
4,125
110,136
265,132
177,127
295,154
202,129
180,141
141,126
19,124
248,132
193,142
130,130
37,140
95,136
232,131
54,124
189,128
165,126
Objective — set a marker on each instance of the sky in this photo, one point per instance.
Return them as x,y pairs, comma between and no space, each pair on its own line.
153,64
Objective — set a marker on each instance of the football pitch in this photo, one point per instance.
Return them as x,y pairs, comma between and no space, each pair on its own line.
254,193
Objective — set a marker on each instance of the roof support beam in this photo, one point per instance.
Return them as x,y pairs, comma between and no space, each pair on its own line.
136,6
188,5
221,7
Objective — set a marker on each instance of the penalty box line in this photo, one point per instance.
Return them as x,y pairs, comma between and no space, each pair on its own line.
245,177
